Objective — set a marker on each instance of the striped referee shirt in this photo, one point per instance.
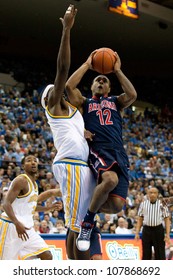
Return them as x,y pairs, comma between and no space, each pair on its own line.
153,213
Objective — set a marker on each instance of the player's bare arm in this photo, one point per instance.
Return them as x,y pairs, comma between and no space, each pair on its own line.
167,230
19,187
53,206
63,63
129,96
138,227
74,95
46,194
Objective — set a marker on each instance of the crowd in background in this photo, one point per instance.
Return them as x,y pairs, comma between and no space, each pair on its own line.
148,139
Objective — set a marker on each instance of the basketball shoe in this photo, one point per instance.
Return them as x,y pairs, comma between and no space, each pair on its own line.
83,239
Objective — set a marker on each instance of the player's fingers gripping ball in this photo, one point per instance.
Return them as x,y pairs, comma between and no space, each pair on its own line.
103,60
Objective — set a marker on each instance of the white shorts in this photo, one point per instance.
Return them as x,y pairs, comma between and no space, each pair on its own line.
13,248
77,184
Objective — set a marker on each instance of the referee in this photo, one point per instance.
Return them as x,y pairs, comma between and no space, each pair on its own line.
151,215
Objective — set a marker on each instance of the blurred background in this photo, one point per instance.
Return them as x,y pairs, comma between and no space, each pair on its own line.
30,31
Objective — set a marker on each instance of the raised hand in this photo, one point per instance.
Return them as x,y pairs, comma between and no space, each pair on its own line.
69,17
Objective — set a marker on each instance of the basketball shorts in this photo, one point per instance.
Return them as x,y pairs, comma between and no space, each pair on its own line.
101,160
77,184
14,248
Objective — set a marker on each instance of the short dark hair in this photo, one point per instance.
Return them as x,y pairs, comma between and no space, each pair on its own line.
46,214
23,159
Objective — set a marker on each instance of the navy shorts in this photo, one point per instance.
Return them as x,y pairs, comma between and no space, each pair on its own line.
101,160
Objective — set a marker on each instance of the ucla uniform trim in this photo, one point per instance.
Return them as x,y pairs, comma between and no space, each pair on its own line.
76,199
71,161
30,186
67,204
6,219
63,117
72,199
35,253
3,231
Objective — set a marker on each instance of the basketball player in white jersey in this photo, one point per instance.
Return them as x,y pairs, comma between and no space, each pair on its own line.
70,166
18,239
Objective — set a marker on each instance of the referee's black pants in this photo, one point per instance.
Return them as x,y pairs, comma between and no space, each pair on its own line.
153,236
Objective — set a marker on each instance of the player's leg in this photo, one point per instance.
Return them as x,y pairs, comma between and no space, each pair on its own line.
104,165
96,245
80,187
108,197
72,251
35,247
117,197
10,243
113,205
45,255
70,245
109,179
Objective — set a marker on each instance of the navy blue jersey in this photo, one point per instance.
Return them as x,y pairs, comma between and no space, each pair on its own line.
102,117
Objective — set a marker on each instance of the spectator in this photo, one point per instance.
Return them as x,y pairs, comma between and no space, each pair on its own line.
122,227
105,227
59,227
112,228
54,218
36,216
131,217
37,226
48,220
133,175
2,171
44,228
3,147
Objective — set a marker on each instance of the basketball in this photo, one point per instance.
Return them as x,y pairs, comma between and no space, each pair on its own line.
103,60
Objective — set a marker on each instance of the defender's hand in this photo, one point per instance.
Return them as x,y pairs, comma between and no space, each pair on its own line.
69,17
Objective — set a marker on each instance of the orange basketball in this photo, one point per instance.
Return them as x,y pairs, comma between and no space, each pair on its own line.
103,61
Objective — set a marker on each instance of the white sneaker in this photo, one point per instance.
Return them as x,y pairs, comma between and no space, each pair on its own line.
83,239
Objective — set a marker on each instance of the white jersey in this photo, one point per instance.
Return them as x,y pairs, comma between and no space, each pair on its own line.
68,135
24,205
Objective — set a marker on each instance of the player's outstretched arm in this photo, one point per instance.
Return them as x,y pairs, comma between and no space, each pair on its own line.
48,193
64,57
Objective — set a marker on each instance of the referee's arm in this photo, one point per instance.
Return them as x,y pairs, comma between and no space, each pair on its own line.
167,230
138,227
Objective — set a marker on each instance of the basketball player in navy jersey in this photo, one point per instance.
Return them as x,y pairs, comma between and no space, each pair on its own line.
108,159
